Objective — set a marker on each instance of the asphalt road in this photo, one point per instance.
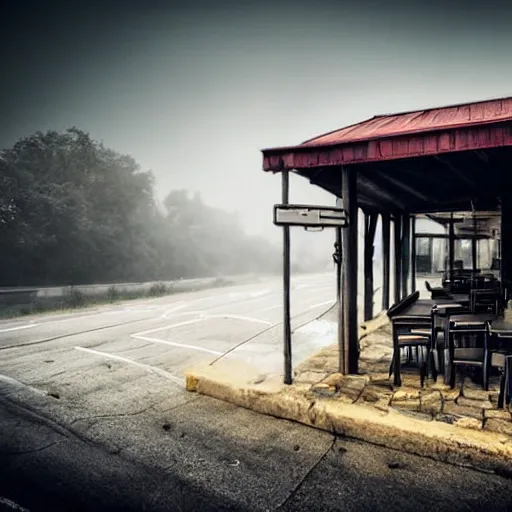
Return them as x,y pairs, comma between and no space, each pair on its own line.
94,416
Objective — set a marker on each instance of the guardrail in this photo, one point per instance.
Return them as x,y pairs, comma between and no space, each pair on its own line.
20,296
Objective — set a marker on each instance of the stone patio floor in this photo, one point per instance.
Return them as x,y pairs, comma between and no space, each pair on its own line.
467,405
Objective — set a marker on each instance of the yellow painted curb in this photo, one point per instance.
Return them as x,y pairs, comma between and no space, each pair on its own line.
241,385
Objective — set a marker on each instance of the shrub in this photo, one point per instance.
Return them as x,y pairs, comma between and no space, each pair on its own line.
157,290
74,298
113,294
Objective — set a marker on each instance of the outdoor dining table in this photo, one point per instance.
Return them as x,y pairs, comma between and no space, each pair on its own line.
461,298
412,324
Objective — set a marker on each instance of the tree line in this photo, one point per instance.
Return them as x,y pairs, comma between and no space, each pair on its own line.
75,212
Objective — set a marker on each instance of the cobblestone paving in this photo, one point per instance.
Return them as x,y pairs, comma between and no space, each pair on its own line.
467,405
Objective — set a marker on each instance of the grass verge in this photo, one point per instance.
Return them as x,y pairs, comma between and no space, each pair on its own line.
75,299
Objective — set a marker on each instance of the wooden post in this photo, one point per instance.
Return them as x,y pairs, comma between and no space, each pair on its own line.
506,246
398,260
386,236
339,297
287,335
349,302
474,252
413,254
451,247
370,226
406,253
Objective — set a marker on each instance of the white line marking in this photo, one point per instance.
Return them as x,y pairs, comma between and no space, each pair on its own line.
177,307
19,328
171,326
176,344
240,317
259,293
324,303
185,313
276,306
12,505
153,369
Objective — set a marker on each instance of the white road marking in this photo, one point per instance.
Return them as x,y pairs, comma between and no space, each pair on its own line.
176,344
259,293
153,369
324,303
171,326
240,317
177,307
186,313
19,328
12,505
275,306
75,318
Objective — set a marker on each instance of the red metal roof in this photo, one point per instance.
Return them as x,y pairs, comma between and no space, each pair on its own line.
468,126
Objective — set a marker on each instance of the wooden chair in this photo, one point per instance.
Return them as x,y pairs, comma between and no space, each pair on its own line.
466,344
498,355
485,301
412,330
436,292
441,314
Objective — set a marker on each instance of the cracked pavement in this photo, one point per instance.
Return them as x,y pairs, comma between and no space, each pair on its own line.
80,431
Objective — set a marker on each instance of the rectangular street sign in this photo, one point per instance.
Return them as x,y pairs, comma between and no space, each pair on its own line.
309,216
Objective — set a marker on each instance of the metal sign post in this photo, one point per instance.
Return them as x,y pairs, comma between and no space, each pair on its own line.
286,286
310,218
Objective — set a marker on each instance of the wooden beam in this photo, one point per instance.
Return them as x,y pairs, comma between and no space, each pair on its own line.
402,186
386,239
482,156
370,221
369,195
349,303
388,200
460,174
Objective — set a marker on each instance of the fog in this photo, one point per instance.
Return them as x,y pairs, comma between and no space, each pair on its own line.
194,90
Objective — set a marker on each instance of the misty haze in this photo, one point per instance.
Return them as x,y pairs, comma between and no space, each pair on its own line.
159,352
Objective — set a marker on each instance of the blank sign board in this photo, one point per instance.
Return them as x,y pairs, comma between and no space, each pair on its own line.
309,216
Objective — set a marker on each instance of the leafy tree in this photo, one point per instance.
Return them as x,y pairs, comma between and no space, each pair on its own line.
75,212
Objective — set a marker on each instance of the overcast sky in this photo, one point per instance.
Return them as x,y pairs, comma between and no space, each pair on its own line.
193,90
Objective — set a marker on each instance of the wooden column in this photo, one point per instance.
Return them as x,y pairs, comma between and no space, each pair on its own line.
339,297
474,252
398,259
287,335
370,226
413,254
451,247
386,236
406,253
349,302
506,245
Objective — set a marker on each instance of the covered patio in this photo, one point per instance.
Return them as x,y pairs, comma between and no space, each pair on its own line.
399,167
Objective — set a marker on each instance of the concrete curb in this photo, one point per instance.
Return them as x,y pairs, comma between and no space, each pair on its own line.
243,386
